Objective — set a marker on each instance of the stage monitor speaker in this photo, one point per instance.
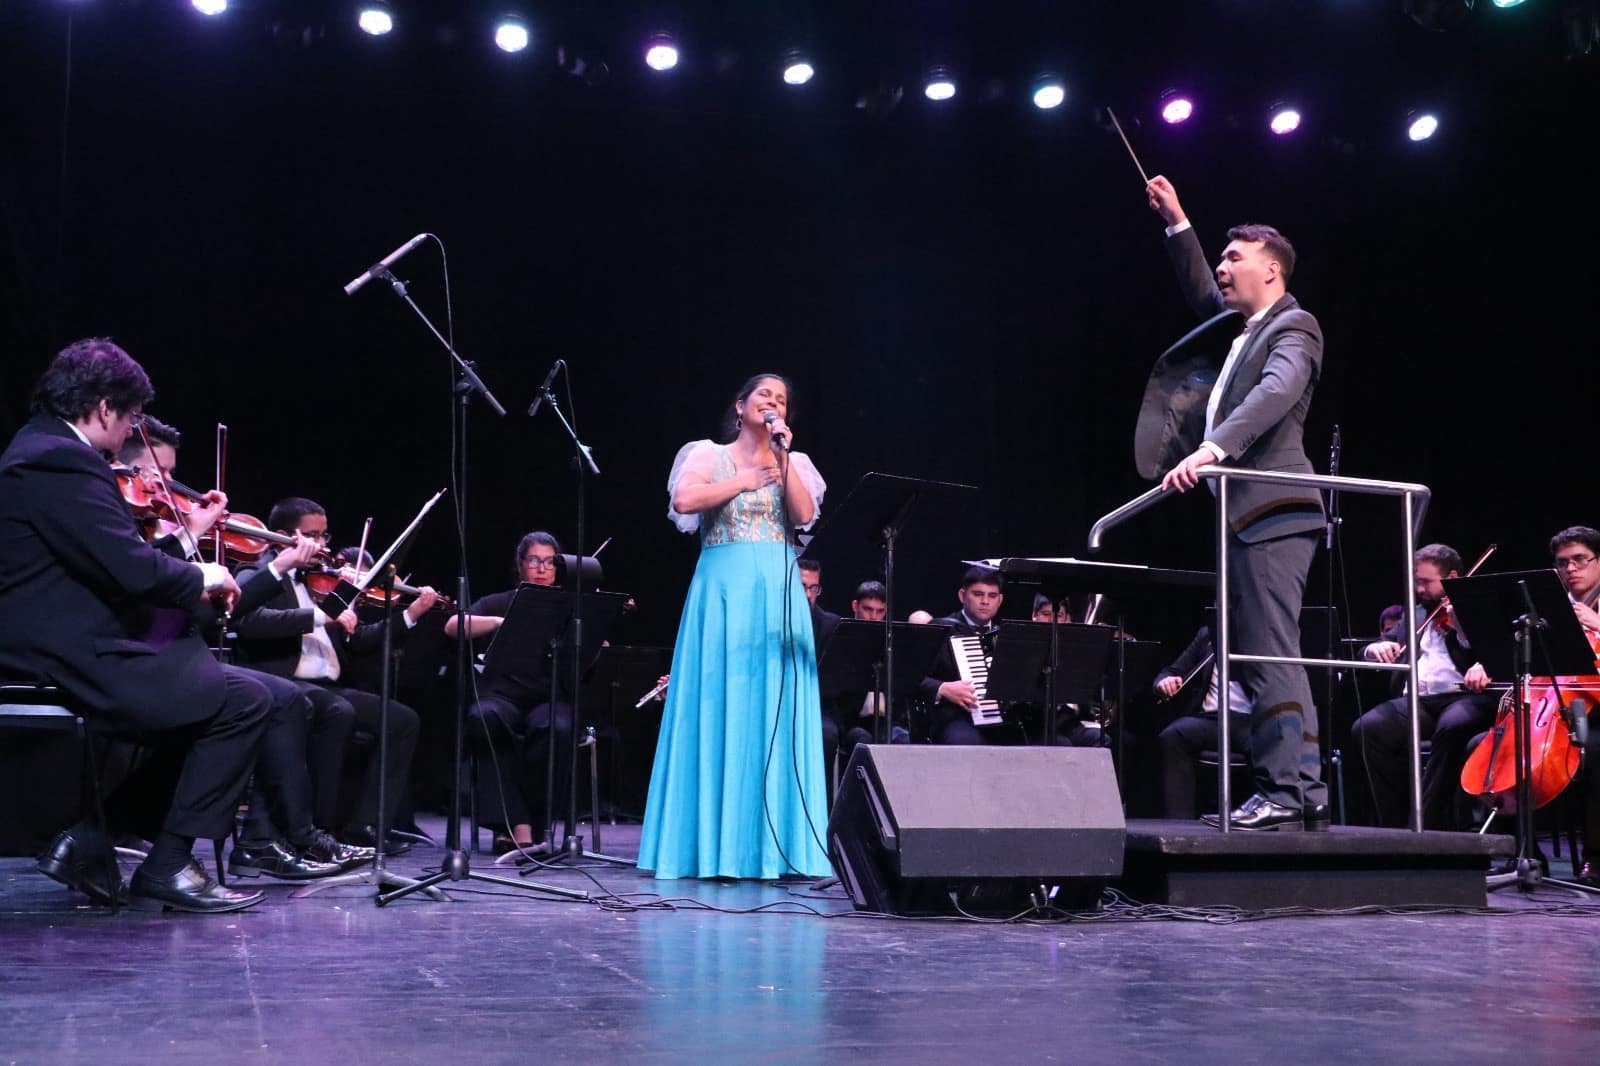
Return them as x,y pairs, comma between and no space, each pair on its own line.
920,829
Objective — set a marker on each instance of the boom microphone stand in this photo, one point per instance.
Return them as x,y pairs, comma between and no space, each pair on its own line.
457,865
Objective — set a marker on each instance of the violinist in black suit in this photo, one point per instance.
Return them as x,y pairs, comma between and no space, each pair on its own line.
1194,730
291,636
1455,708
1249,412
77,586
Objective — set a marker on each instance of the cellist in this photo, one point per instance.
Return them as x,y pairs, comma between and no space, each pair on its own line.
1454,706
1576,557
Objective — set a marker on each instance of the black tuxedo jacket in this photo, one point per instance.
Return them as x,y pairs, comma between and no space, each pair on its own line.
944,667
77,584
269,635
1261,415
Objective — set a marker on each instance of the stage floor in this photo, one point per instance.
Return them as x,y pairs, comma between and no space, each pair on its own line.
506,976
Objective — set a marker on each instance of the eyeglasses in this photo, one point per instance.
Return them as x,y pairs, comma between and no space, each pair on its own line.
321,535
1575,562
533,562
809,587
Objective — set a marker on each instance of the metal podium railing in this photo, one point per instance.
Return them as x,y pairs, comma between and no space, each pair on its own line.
1414,505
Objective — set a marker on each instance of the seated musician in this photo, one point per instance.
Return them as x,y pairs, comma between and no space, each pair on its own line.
1454,706
1076,726
851,714
1576,554
293,637
1194,730
509,724
950,699
278,837
76,585
1043,613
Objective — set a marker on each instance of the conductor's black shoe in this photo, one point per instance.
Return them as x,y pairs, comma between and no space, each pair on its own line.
325,847
279,860
1258,814
81,858
1317,817
191,889
367,837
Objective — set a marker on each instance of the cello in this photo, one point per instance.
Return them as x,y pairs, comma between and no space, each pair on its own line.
1555,706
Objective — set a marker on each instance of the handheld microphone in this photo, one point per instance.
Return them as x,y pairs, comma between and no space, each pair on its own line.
1333,452
555,368
384,264
779,441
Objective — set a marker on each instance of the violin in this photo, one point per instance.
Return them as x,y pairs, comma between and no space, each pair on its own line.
245,538
1554,706
320,583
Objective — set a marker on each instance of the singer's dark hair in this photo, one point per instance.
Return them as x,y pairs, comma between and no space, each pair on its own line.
538,536
86,372
158,432
287,512
730,426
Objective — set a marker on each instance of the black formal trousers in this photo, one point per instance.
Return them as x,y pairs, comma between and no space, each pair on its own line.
1266,583
511,742
191,777
1377,765
338,714
280,800
1179,746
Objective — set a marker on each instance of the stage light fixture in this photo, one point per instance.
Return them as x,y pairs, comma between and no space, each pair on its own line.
940,85
209,7
1176,107
662,53
511,34
1507,3
1439,16
375,19
1048,93
1285,119
797,69
1420,125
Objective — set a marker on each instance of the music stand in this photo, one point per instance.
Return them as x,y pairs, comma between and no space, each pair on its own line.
875,511
620,669
1515,621
852,661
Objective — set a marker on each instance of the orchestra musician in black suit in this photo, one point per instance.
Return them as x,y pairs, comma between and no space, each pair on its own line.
848,717
293,637
1194,729
949,698
77,585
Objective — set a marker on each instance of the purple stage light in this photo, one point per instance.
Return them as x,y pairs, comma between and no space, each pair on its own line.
662,53
375,19
1422,126
1285,120
1176,109
209,7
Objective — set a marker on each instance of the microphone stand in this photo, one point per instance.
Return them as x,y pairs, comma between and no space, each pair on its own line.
572,844
1325,719
457,865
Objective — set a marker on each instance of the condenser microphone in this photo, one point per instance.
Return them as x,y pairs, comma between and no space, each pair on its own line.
779,441
555,368
384,264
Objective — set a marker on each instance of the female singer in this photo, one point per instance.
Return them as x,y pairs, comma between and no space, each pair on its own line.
737,789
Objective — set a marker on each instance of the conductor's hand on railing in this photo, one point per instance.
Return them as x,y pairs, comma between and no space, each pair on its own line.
1185,476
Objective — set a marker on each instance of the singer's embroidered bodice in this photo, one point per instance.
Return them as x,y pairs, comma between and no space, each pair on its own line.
755,515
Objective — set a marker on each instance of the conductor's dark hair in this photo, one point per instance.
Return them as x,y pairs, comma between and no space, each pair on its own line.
809,565
287,512
1446,558
1588,536
86,372
730,425
872,590
158,432
980,575
1277,245
538,536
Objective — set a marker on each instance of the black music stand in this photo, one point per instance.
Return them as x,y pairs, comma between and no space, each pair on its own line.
1517,621
852,661
875,511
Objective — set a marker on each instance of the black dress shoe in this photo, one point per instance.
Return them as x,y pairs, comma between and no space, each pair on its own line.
1258,814
367,837
325,847
1317,817
191,889
82,858
1589,873
279,860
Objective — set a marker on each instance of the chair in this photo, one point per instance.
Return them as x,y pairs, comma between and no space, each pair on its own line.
46,707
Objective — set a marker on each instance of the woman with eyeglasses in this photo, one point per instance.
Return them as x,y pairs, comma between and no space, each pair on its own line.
737,788
508,723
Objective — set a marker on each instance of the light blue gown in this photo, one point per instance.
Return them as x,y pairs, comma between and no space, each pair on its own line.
737,789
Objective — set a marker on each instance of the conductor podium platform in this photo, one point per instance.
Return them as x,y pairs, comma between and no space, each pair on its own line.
1189,864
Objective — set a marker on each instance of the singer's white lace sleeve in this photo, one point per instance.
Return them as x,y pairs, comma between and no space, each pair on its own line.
800,466
698,458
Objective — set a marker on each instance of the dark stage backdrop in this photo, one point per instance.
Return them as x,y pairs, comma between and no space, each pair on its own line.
974,295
